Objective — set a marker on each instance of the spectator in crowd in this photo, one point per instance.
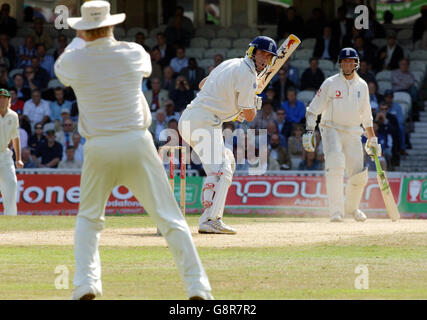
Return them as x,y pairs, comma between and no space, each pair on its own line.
4,78
282,85
272,164
315,24
295,109
193,73
312,78
295,147
171,112
167,51
74,115
139,39
62,44
65,136
8,24
365,73
16,104
326,47
284,128
292,73
290,23
180,61
37,138
41,35
403,80
420,25
396,109
423,44
217,59
23,137
26,158
30,75
310,162
263,118
187,24
270,94
176,35
26,52
375,29
388,124
78,147
46,61
41,75
69,161
24,93
182,93
158,124
386,141
388,24
279,153
156,64
58,104
365,51
168,79
156,97
341,26
8,51
272,129
28,14
50,152
65,115
36,109
388,57
374,97
350,39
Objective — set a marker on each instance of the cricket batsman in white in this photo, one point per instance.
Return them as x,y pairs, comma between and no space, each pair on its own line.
106,76
226,94
9,128
343,102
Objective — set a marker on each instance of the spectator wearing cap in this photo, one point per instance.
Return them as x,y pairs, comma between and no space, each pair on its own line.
24,93
26,52
156,97
8,51
49,153
193,73
8,24
403,80
65,115
312,77
65,136
388,56
69,162
59,104
182,93
36,109
180,61
171,112
38,137
295,109
46,61
395,109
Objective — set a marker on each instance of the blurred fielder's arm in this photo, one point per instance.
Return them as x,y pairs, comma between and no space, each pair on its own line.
317,106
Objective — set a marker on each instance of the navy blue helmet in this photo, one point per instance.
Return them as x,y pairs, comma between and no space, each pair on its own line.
262,43
349,53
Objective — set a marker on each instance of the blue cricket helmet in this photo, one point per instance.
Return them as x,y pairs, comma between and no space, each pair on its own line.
349,53
262,43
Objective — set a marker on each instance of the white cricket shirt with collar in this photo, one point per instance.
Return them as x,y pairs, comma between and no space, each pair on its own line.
230,87
343,104
106,76
9,129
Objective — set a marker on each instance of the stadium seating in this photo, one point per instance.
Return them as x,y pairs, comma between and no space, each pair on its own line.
418,65
133,31
326,65
220,43
235,53
419,78
241,43
404,37
249,33
384,75
383,86
153,33
51,51
301,65
208,33
305,96
418,55
227,33
404,99
17,42
205,63
151,42
270,32
54,83
23,32
119,33
303,54
198,42
308,43
197,53
210,53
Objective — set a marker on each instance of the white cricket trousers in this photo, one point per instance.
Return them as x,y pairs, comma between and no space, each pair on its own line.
130,159
8,183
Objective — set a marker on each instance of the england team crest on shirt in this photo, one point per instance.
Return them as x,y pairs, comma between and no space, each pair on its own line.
255,86
358,94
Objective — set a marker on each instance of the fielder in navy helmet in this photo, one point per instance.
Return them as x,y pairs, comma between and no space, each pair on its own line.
343,102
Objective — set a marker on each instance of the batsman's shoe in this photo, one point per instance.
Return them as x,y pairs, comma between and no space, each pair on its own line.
337,217
84,293
359,215
215,226
202,296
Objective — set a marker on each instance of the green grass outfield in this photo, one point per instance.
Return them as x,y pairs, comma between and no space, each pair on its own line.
313,271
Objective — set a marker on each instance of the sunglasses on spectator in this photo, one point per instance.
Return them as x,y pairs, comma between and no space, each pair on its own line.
37,128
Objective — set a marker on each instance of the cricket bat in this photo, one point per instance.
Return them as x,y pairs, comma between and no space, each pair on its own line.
283,53
389,202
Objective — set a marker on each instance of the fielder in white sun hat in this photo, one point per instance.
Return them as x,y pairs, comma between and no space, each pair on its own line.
95,14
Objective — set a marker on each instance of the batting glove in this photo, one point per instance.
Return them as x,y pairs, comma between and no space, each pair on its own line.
371,146
258,102
309,141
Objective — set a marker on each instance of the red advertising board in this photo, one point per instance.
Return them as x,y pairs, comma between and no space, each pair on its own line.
297,192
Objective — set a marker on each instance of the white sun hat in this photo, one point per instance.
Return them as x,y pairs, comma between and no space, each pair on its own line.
95,14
